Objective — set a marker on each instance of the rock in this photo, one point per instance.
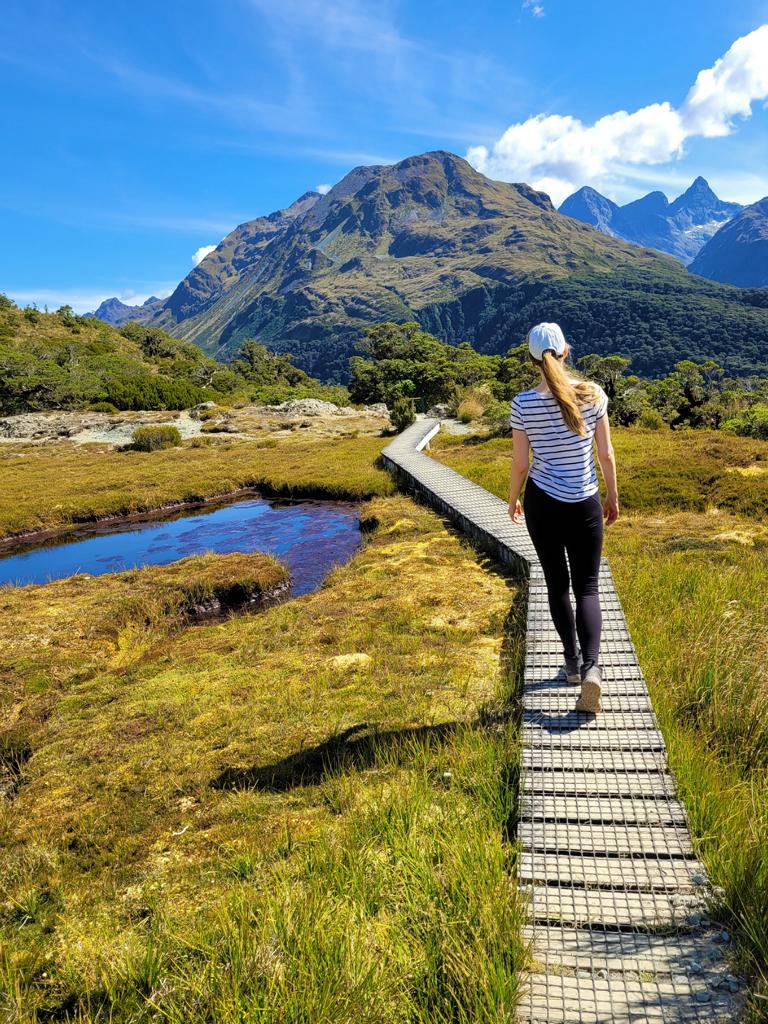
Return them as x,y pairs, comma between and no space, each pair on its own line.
695,967
699,878
377,409
702,996
351,661
725,936
305,407
438,411
694,919
195,411
50,425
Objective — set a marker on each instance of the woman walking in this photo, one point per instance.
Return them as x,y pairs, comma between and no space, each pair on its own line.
558,421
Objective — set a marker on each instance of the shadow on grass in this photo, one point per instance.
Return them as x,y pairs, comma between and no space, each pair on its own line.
354,749
358,747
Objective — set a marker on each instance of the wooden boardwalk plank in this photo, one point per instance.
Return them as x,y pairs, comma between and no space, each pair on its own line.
600,909
651,952
602,809
610,838
554,998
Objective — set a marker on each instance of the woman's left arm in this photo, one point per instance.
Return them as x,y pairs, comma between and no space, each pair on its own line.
521,447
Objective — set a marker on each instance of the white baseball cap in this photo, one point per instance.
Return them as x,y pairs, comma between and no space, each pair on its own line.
546,336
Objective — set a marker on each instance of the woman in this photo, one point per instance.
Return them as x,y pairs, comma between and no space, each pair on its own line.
558,420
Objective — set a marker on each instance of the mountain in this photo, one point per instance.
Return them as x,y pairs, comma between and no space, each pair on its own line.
116,313
679,228
738,252
222,269
430,239
593,208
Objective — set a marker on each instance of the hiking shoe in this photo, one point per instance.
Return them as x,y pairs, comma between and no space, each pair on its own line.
569,671
591,690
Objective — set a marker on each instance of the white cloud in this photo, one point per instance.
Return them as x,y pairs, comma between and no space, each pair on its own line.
82,300
558,153
323,189
199,254
536,9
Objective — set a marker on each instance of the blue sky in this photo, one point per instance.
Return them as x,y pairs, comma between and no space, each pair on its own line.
136,133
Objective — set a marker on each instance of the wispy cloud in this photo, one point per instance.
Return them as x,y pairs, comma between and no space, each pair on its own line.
365,51
536,9
234,106
323,188
558,153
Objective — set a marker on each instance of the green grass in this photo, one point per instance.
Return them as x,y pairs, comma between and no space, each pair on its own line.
299,815
53,486
693,586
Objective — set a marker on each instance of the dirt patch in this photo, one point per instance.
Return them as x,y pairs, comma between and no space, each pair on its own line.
14,755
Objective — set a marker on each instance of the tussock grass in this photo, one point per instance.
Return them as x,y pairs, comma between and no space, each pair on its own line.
228,823
693,587
57,485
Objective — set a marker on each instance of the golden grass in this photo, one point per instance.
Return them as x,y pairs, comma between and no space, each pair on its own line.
56,485
295,815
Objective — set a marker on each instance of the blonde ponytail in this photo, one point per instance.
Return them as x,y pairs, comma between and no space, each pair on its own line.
569,392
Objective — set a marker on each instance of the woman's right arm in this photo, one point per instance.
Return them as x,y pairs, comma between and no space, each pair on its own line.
607,460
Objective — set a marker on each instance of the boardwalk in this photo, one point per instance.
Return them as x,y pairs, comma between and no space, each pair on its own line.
616,898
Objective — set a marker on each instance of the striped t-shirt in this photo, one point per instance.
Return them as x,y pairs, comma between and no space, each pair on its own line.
563,463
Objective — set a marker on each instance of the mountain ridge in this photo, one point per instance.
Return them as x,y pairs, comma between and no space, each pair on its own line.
738,253
430,239
679,228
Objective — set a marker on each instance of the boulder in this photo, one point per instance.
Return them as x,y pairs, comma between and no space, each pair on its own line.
196,410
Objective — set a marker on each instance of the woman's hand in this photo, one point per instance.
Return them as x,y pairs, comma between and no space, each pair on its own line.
516,512
611,509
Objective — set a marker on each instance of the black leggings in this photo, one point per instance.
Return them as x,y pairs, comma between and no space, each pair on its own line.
557,527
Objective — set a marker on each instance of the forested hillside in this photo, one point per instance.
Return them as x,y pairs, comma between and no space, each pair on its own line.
63,361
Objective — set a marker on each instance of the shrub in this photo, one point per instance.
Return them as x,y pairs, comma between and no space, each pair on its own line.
497,418
403,413
750,423
151,439
473,402
154,392
651,419
102,407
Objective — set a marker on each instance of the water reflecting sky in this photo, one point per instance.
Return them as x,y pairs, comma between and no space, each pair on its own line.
309,536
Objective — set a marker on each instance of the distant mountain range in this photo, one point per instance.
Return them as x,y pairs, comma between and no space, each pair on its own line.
430,239
738,252
680,228
115,312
